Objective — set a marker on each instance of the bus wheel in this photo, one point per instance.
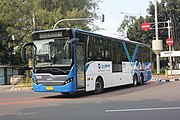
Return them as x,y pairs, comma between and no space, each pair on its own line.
99,87
135,81
66,93
141,80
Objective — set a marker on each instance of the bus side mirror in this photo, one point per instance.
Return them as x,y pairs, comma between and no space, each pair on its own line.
102,18
70,41
23,50
73,40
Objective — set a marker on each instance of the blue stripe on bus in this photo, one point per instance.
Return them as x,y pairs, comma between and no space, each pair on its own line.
134,54
74,83
71,73
126,51
128,55
86,67
33,76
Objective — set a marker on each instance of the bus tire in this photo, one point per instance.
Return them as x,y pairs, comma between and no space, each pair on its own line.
135,80
141,79
99,86
65,93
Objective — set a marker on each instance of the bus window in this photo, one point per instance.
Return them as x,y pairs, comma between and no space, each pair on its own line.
90,48
119,57
107,49
116,56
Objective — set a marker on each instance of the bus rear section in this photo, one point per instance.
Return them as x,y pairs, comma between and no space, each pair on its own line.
100,72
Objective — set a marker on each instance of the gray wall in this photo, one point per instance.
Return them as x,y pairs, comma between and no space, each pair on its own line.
5,74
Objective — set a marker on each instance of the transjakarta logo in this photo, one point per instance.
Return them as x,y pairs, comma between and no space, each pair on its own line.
103,66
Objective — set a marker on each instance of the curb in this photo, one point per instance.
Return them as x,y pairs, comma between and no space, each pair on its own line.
5,88
14,88
21,88
166,80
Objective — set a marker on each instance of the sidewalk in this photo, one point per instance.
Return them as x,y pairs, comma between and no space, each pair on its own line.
5,87
13,87
163,78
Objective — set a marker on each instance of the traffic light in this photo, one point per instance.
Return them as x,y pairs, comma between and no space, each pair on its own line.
102,18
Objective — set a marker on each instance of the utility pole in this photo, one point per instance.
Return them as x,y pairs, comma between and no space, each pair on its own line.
33,22
170,49
157,44
156,29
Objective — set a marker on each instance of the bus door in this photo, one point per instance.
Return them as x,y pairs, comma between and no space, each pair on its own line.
80,62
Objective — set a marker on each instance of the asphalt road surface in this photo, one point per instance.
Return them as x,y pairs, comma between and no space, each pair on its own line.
152,101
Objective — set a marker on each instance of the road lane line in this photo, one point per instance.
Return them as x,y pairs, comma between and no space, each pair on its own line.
143,109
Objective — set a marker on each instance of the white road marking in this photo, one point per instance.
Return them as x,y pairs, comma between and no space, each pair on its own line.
143,109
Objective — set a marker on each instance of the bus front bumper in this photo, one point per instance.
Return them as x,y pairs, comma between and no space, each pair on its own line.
63,89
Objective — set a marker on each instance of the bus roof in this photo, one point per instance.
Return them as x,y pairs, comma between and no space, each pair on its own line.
99,35
92,33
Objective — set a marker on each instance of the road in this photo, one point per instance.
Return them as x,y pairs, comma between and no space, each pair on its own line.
152,101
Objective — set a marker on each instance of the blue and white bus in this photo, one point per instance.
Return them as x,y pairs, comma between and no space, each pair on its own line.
69,60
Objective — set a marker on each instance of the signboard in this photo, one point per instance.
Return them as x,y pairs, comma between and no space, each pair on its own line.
167,53
50,34
145,26
169,41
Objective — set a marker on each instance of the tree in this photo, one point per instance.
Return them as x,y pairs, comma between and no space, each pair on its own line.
126,23
172,10
21,17
166,9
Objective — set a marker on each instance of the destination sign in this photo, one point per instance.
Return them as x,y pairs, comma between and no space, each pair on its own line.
50,35
41,35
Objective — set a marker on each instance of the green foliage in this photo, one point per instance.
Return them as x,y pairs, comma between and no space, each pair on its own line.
162,70
166,9
21,18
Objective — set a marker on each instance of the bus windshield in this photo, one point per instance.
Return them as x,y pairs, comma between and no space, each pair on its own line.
53,52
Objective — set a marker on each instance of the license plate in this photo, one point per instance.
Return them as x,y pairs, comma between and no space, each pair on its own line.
49,88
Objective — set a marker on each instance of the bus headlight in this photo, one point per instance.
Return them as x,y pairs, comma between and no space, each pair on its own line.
38,77
68,81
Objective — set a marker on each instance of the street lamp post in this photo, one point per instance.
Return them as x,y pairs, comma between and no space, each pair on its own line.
73,19
131,14
78,19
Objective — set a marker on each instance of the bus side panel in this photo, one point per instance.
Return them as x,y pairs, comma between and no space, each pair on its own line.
95,69
147,71
104,70
121,79
110,80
